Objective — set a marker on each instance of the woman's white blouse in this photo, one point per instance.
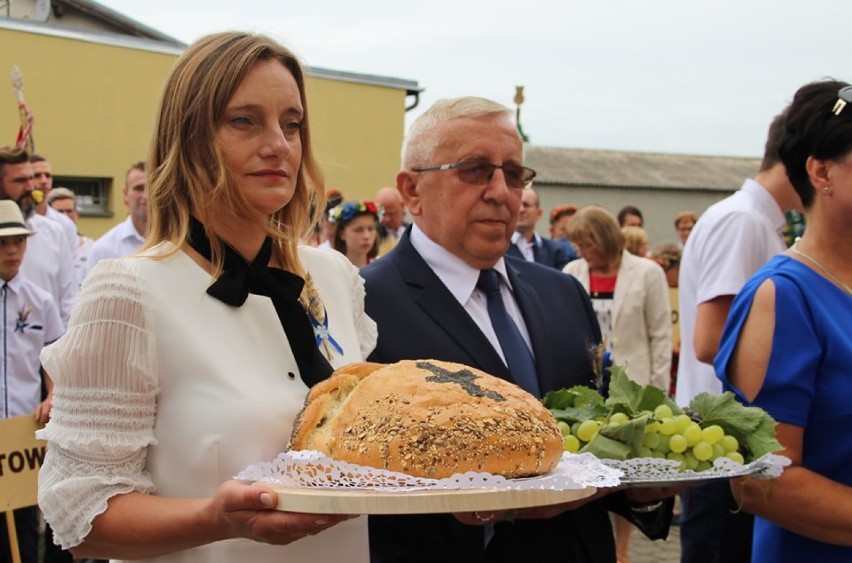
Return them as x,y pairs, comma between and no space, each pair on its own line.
162,389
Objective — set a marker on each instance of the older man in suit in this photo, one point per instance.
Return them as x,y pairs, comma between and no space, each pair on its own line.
462,182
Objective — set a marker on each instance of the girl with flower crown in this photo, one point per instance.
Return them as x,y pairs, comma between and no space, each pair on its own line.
356,231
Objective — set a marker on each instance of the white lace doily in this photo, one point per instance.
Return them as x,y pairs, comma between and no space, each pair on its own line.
314,469
654,471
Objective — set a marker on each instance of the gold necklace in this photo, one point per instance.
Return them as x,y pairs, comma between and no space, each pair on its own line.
834,278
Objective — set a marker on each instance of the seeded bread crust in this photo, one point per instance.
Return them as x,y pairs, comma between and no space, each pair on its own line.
428,418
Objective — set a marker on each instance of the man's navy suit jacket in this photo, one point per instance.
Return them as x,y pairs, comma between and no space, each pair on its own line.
418,318
550,253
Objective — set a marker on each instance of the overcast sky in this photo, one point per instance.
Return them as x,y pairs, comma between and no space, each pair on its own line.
646,75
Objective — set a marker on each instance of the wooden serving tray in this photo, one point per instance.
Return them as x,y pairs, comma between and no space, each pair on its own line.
366,501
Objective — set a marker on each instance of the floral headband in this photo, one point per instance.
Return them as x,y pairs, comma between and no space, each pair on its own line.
345,212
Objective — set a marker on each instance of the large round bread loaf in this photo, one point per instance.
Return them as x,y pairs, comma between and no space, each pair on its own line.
428,418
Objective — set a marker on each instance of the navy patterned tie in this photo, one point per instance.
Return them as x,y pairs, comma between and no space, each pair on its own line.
519,359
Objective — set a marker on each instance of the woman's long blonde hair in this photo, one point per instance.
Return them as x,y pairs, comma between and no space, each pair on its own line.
187,172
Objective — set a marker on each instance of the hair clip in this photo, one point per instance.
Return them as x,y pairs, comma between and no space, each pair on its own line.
844,96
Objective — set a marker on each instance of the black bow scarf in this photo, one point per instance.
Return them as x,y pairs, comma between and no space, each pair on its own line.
239,278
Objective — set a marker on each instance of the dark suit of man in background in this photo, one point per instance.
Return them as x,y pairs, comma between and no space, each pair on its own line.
462,181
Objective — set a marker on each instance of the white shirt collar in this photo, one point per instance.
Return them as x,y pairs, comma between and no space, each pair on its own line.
517,237
15,283
128,230
766,201
459,277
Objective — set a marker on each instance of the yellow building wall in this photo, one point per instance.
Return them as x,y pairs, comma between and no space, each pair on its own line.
94,108
357,131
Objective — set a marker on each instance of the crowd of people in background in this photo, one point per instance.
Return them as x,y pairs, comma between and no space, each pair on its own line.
725,303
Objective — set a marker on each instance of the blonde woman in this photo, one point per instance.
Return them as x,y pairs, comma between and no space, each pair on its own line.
188,362
629,294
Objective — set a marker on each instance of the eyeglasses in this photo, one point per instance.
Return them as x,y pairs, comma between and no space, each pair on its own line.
844,96
479,172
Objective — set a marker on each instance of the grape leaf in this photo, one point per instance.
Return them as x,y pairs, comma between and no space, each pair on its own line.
632,397
576,396
572,397
607,448
575,404
587,396
751,426
575,414
762,441
630,433
559,399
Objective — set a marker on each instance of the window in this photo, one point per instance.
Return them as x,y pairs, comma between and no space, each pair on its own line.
92,194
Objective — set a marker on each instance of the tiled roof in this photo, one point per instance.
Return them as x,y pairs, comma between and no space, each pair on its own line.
120,21
585,167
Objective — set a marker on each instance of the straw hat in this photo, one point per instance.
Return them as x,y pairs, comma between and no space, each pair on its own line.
12,220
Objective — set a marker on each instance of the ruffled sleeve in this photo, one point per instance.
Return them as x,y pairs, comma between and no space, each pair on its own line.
365,327
104,372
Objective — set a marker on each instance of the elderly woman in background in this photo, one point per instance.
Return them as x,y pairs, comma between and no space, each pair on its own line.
631,299
787,344
189,361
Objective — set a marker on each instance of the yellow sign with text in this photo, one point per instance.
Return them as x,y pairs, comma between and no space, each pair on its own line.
21,456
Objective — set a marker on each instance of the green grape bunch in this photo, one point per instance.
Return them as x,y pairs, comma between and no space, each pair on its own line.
641,421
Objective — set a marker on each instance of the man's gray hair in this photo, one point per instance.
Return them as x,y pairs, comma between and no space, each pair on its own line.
420,143
60,193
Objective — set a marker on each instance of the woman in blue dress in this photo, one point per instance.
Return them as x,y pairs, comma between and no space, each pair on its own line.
787,345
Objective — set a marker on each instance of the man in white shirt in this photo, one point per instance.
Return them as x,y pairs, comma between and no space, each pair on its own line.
48,262
64,201
128,236
730,241
43,178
